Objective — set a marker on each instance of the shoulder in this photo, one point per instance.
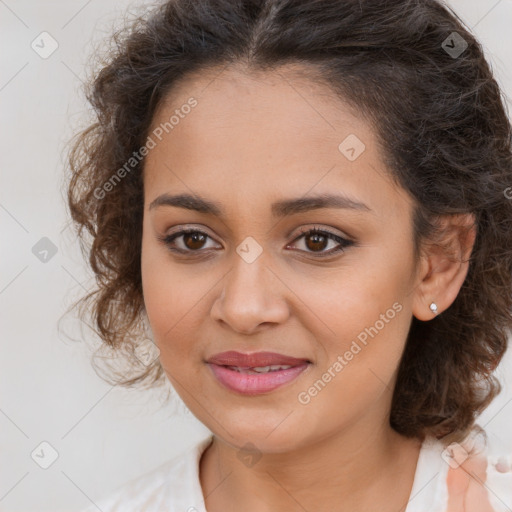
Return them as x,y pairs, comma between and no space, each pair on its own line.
171,486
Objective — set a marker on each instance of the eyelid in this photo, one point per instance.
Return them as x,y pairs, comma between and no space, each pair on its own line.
184,229
343,241
303,230
324,229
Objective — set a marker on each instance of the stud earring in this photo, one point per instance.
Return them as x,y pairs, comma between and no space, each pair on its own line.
433,308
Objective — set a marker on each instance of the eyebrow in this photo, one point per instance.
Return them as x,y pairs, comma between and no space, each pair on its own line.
281,208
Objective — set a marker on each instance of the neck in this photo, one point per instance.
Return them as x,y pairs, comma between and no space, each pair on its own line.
350,470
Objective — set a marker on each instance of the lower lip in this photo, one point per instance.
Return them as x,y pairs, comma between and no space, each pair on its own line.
254,384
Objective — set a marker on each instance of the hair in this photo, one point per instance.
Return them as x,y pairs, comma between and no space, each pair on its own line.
441,121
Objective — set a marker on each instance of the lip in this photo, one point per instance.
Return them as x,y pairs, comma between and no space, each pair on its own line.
233,358
252,383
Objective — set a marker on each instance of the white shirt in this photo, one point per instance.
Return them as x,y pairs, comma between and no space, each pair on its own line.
175,485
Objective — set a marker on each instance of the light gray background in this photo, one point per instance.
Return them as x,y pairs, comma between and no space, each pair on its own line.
48,392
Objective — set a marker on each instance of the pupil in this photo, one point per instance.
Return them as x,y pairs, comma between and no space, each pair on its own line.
318,241
195,237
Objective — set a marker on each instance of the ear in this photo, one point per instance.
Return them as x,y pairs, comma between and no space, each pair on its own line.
444,265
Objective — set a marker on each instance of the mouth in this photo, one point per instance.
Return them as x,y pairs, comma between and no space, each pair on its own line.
259,369
255,360
257,373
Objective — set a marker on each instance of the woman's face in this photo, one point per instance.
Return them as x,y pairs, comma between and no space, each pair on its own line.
261,148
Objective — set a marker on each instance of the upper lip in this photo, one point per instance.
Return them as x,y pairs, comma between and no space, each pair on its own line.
256,359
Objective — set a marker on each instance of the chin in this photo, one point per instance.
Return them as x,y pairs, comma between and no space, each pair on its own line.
270,435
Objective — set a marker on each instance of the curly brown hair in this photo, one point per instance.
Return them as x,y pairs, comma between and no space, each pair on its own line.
440,118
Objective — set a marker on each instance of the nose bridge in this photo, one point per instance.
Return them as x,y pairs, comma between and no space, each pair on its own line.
248,279
250,295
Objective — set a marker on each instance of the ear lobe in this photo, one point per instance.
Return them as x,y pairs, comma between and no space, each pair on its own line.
444,266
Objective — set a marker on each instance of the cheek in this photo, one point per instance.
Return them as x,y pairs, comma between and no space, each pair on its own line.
345,301
165,290
157,288
358,353
175,298
362,314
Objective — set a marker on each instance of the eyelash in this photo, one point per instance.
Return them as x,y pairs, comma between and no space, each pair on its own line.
344,242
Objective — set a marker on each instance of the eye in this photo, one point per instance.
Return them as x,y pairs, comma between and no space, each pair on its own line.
315,240
194,240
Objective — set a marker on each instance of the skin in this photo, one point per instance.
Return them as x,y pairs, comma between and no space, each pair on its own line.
254,139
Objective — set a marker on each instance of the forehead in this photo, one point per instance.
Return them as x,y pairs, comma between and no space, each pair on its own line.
259,136
259,106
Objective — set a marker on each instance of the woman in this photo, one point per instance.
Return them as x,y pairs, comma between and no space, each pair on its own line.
305,202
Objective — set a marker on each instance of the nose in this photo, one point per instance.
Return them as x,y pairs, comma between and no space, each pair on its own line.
252,297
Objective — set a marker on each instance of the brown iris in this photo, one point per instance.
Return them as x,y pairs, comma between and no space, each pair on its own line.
318,240
194,241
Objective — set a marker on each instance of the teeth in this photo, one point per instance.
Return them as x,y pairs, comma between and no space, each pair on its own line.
272,368
261,369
